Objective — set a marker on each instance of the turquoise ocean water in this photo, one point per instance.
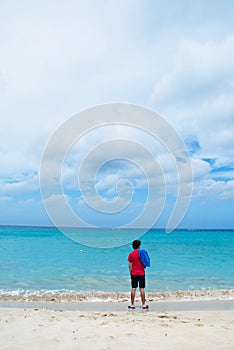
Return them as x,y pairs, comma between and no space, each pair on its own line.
43,259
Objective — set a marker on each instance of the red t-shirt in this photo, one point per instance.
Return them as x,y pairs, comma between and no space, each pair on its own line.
137,266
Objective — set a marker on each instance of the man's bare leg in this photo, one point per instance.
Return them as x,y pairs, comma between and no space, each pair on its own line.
133,294
142,292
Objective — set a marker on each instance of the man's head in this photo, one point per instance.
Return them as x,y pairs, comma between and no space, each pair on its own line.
136,244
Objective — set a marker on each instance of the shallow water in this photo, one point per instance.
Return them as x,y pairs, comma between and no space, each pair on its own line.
37,260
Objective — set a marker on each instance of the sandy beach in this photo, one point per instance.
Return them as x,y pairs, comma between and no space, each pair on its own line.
36,328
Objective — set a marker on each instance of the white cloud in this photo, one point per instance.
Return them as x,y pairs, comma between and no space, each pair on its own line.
197,95
228,190
201,169
61,57
56,198
21,186
212,190
199,68
109,184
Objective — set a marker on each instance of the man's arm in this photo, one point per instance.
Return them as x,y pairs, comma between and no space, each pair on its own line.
130,266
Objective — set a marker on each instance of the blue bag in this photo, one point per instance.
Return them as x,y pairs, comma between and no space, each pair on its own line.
144,257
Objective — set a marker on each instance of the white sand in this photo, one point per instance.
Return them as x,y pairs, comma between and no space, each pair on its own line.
56,329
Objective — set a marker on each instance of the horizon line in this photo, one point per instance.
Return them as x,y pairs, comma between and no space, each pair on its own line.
122,228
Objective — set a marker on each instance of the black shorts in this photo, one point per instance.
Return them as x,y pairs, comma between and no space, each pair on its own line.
138,280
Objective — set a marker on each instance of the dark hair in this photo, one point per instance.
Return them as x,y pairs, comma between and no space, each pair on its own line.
136,244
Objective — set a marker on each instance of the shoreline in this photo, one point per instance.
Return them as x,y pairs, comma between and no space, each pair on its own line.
118,301
62,296
160,306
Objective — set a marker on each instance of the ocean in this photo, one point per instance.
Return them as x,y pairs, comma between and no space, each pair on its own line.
40,260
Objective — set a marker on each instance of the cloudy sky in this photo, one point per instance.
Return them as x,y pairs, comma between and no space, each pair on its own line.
58,58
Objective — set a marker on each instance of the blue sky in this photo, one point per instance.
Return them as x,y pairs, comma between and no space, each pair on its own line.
61,57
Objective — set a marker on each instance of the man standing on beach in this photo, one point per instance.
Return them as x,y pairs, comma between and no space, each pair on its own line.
137,272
